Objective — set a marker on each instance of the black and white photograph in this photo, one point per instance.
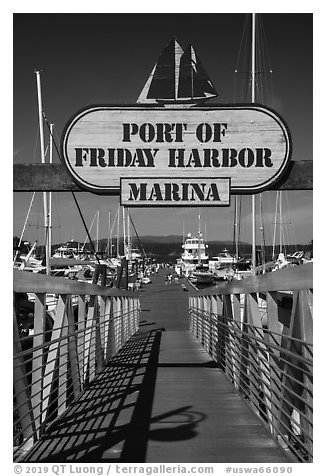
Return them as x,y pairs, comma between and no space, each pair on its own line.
162,241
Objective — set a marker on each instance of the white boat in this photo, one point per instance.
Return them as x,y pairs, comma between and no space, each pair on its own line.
202,275
68,250
222,260
133,254
194,254
28,262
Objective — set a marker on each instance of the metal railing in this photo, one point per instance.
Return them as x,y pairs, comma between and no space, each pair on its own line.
259,331
56,355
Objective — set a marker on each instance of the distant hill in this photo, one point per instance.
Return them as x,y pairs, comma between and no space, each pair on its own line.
161,239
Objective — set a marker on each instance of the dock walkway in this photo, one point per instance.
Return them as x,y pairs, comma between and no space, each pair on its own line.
162,399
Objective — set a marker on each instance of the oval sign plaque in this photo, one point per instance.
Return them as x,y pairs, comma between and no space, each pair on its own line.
249,144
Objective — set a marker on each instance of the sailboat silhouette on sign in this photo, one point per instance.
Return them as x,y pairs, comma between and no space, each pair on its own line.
177,77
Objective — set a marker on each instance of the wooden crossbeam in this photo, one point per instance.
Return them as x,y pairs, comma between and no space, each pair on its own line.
55,178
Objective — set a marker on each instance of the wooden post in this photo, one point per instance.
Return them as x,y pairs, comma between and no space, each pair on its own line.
258,361
112,349
117,323
230,337
81,336
22,395
63,364
53,353
236,337
89,361
244,384
274,327
38,358
72,350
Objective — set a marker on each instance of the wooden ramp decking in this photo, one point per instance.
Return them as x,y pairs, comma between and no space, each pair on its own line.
162,399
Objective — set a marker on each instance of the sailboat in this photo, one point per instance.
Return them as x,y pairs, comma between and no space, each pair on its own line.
178,77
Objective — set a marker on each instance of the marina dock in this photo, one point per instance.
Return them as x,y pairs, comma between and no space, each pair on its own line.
160,399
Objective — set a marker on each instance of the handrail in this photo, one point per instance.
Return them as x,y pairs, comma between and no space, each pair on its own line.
65,350
25,281
294,278
263,344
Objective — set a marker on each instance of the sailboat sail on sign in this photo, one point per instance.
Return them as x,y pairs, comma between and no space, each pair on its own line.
177,77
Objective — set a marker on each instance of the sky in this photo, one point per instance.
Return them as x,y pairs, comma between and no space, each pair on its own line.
106,58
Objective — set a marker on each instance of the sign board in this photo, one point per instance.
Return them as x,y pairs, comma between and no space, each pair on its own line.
248,144
179,191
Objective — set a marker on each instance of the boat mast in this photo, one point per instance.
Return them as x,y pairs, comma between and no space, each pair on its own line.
109,236
118,233
128,235
192,75
50,198
253,81
199,237
124,232
275,223
263,253
97,229
45,205
281,224
236,229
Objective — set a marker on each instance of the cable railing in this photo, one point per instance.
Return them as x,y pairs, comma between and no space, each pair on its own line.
58,353
259,331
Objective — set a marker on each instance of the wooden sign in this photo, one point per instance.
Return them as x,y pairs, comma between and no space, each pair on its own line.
248,144
177,192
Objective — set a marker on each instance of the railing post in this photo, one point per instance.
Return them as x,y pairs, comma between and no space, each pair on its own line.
258,363
237,337
127,318
81,325
229,337
38,358
200,318
53,353
220,341
109,330
305,306
274,338
117,323
73,351
89,358
244,383
22,396
211,327
132,311
190,316
63,363
194,316
100,334
122,320
204,339
138,314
